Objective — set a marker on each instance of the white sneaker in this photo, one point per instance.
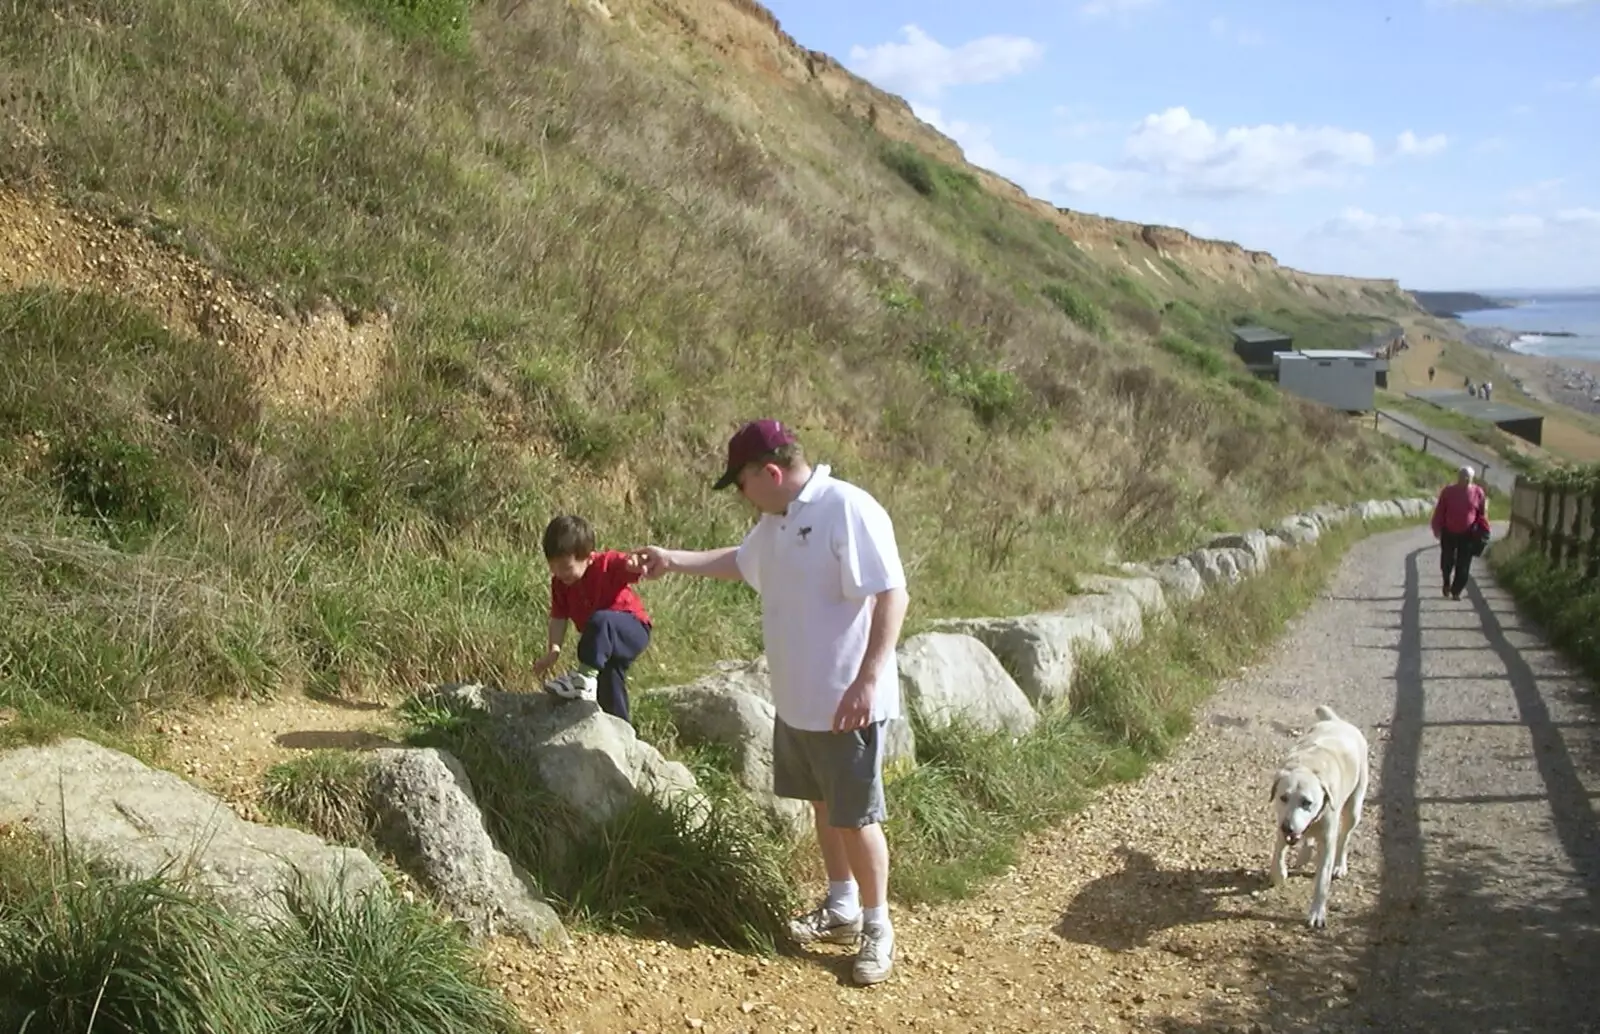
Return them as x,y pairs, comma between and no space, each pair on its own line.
574,685
875,959
824,924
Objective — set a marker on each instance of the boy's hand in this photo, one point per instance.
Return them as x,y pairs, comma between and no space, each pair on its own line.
545,663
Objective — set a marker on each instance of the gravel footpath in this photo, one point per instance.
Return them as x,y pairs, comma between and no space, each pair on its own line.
1473,901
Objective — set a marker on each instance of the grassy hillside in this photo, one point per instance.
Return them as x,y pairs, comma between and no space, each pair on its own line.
315,312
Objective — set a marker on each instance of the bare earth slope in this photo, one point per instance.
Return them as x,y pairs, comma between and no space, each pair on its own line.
1471,904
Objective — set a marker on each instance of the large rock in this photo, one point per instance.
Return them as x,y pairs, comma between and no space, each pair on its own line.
1380,510
1254,544
1178,578
1144,589
714,713
1117,613
591,761
1217,567
948,676
1037,650
1299,530
428,817
1415,507
142,820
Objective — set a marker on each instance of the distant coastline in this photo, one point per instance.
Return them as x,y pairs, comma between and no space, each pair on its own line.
1449,305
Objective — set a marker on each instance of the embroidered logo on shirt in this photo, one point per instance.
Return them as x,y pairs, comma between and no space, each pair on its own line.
805,534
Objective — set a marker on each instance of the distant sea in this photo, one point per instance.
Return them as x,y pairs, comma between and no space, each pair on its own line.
1536,316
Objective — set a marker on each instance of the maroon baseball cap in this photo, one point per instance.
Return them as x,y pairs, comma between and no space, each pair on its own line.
752,443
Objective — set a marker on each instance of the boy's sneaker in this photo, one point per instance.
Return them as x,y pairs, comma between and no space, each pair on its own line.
824,924
574,685
875,959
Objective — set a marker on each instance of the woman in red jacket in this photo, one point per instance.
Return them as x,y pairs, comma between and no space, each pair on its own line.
1459,518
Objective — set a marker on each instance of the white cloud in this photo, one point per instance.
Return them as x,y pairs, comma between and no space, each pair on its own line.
1040,179
923,67
1435,249
1111,8
1535,193
1190,156
1528,5
1581,217
1410,144
1227,31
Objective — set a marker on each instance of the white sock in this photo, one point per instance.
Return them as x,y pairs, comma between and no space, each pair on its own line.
878,915
844,898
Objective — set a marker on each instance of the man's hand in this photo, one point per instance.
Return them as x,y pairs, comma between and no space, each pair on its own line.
650,562
545,663
855,708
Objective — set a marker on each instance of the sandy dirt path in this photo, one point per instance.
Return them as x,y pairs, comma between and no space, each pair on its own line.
1473,901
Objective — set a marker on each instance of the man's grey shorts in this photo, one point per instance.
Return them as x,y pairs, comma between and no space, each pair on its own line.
844,769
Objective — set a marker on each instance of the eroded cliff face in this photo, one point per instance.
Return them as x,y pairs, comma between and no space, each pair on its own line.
747,36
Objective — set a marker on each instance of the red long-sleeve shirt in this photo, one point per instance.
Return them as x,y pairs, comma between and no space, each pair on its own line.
1458,509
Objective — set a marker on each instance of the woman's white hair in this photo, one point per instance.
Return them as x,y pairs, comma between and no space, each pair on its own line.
1467,470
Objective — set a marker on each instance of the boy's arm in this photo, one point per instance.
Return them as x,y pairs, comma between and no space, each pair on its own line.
558,634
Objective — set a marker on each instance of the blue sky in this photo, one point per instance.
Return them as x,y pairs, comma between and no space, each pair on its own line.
1446,143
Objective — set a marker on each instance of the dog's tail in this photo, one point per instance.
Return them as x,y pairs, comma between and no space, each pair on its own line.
1326,713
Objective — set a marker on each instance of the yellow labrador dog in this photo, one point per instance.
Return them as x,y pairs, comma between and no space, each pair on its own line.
1317,794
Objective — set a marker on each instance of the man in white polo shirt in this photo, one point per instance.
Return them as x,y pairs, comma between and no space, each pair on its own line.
824,560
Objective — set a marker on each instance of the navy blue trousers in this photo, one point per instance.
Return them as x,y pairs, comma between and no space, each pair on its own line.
611,642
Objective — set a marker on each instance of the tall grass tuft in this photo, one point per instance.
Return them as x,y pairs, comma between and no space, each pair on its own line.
714,871
377,965
81,950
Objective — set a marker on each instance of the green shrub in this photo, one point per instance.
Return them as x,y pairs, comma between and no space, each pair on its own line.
912,166
1076,307
446,23
1561,599
1206,360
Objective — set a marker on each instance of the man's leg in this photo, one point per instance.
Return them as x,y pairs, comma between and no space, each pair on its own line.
855,810
1447,562
794,775
610,643
1463,565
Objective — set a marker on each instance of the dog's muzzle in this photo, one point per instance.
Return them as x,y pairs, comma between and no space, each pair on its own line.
1290,836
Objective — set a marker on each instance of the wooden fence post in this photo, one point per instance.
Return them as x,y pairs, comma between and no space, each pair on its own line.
1544,520
1593,572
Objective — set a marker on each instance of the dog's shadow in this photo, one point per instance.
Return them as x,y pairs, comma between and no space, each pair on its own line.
1123,910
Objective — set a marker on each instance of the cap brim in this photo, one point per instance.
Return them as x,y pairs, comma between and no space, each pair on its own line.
728,478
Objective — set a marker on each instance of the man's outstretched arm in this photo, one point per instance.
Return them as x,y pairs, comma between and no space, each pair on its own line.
708,563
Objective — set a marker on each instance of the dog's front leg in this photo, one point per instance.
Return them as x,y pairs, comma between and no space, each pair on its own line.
1326,849
1279,870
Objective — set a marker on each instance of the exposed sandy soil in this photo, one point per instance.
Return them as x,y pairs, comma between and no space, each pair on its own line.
317,360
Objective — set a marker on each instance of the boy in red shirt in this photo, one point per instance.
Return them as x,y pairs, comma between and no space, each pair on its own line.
595,592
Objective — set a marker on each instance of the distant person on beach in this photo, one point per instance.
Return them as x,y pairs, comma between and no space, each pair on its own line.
1472,389
1488,388
1460,523
1430,375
